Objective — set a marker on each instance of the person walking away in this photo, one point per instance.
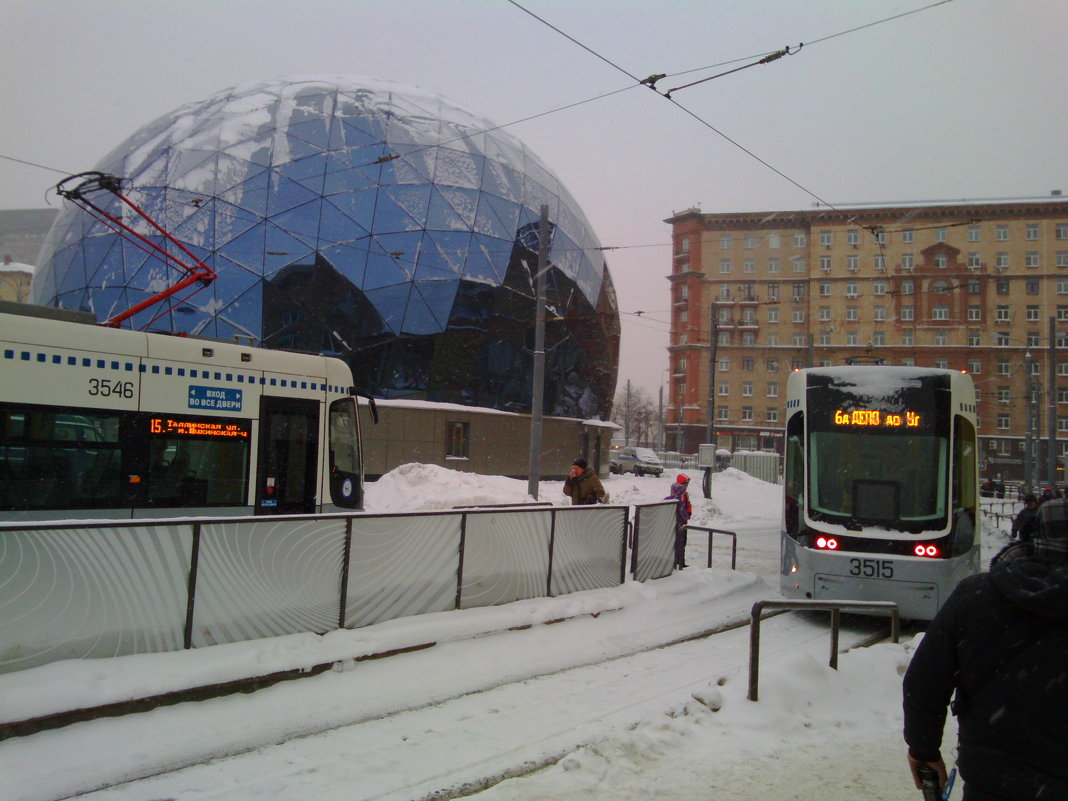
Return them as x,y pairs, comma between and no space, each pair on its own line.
1001,643
683,511
1024,523
583,486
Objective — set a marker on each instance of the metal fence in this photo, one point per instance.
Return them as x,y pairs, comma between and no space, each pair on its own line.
85,590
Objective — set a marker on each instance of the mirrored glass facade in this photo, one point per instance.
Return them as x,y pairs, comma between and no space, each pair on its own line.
375,222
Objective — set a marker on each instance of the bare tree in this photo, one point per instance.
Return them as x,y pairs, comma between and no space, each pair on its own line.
636,412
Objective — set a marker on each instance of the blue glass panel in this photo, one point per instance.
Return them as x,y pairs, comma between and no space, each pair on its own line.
281,249
452,209
229,172
302,222
233,280
383,271
295,149
188,168
247,248
414,167
251,194
243,315
336,227
357,207
308,172
401,208
391,303
315,132
445,252
198,227
419,317
97,254
487,260
437,299
500,179
361,132
350,260
496,217
349,171
285,195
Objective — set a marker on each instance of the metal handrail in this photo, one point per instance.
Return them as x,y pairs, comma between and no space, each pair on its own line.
834,607
734,543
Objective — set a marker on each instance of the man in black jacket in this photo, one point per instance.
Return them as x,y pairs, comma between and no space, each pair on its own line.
1000,641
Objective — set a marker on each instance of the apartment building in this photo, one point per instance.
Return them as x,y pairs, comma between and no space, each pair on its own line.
981,287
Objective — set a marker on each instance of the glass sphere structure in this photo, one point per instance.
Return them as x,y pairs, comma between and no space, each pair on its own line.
367,220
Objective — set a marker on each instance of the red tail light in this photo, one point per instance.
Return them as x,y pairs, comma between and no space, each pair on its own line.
827,543
927,550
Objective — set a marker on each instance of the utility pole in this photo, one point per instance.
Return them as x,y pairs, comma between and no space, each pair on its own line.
1051,413
1029,444
538,380
712,345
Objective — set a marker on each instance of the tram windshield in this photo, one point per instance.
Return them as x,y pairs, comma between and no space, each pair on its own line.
879,456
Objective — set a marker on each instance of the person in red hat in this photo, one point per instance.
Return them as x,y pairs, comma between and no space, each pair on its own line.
683,510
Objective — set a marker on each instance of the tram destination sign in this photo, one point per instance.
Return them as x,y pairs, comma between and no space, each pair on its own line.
875,418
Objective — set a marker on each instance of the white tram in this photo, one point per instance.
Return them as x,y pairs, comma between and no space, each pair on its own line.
99,422
881,486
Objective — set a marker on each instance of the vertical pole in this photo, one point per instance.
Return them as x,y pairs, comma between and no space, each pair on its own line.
661,441
1029,478
713,342
1051,414
538,379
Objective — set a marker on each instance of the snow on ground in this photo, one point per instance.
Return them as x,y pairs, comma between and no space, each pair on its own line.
578,705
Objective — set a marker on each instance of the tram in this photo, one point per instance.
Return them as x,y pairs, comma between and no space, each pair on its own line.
99,422
881,486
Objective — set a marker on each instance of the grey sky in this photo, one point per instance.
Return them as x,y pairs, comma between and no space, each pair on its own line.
964,100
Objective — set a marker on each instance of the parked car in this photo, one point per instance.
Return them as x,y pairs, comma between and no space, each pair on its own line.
639,461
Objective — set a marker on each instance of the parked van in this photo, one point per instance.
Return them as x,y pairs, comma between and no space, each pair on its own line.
639,461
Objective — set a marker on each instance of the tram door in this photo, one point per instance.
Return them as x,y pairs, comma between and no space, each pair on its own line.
288,456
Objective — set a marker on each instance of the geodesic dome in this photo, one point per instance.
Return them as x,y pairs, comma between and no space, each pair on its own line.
379,223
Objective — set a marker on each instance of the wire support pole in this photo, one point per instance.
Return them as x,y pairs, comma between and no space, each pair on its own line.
537,401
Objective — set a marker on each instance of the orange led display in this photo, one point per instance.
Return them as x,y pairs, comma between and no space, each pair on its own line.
168,426
874,417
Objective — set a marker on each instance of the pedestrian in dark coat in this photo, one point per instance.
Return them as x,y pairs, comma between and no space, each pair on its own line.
1001,643
683,511
1025,522
583,486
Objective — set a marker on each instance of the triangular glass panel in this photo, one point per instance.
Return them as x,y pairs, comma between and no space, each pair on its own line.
496,217
401,208
457,168
308,172
302,222
314,132
350,260
438,298
391,303
444,253
281,249
487,260
251,194
247,249
383,271
285,194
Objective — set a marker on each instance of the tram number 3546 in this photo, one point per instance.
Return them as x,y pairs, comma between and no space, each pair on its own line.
872,568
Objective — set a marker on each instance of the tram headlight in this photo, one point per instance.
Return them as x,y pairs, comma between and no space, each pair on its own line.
926,550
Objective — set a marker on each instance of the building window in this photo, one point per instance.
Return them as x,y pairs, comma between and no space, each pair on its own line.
941,339
1031,258
1032,314
773,315
799,315
851,289
724,364
724,389
974,338
800,240
907,313
908,286
1003,368
748,338
825,263
725,243
1032,339
907,236
880,261
750,241
799,264
941,363
975,313
723,414
825,289
747,389
798,340
773,364
747,414
773,265
974,262
1062,313
773,389
826,238
773,291
1062,258
724,266
457,439
798,291
825,314
1002,286
773,240
975,366
878,288
1001,233
974,286
825,338
973,233
749,266
1001,260
852,314
747,364
878,338
851,338
773,339
724,338
1031,286
1061,231
879,314
1001,340
908,361
724,292
1001,314
940,234
940,312
852,262
906,261
772,415
940,261
1032,231
852,237
1003,395
1003,422
684,243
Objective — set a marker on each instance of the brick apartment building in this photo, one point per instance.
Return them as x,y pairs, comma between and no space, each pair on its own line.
981,287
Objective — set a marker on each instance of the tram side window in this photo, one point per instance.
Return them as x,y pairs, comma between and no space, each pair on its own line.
965,485
195,462
794,484
59,459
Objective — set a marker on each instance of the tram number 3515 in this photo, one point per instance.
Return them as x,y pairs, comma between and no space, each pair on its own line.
872,568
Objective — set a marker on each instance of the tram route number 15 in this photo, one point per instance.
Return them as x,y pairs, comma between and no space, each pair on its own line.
872,568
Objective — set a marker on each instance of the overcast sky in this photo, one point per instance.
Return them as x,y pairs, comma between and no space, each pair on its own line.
962,100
